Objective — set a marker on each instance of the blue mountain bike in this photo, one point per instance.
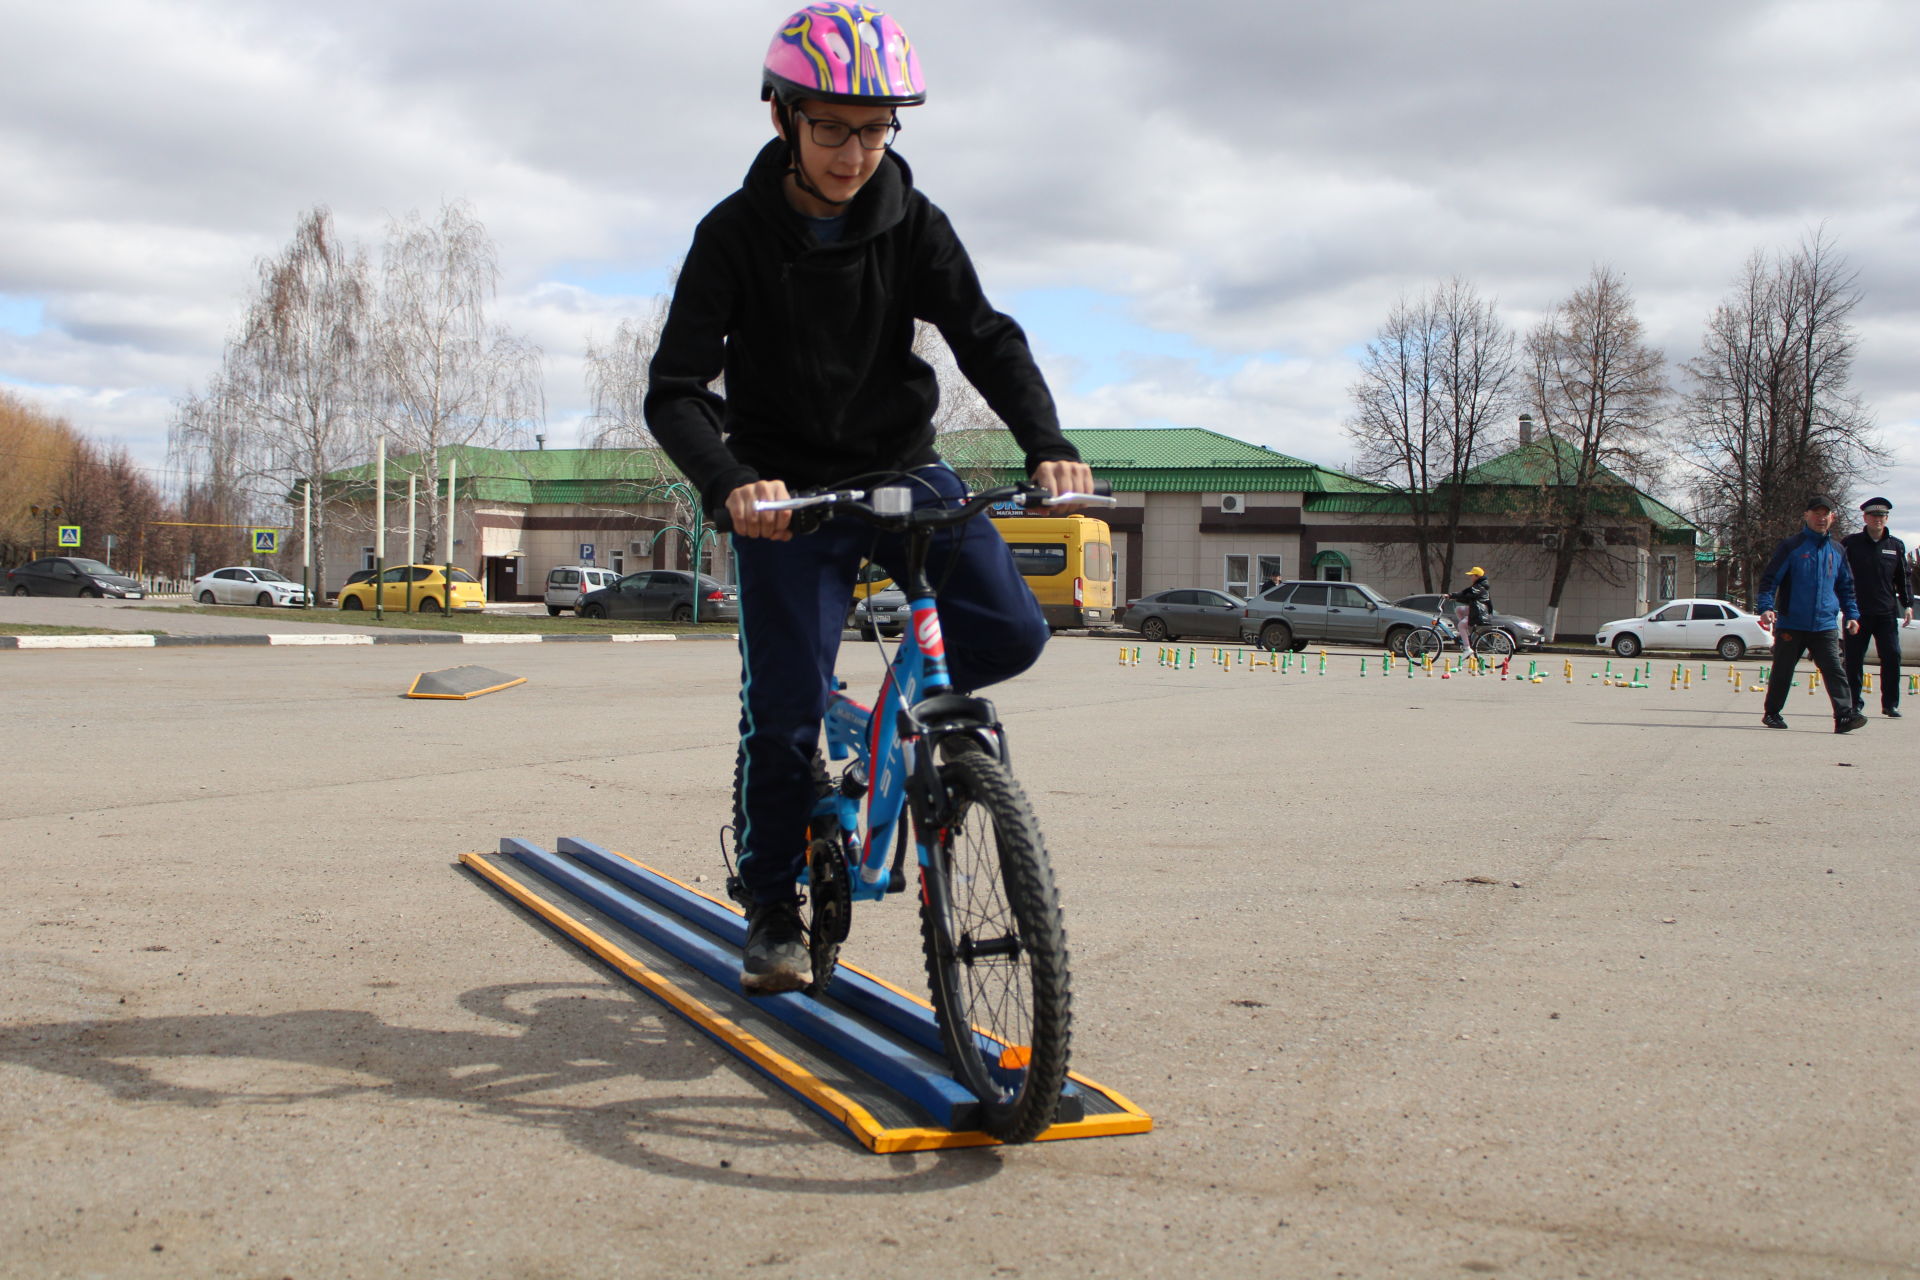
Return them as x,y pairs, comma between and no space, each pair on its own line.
931,766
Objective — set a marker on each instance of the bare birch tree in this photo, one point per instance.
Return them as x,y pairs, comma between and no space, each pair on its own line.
617,380
962,422
446,374
1434,384
291,402
1599,390
1770,415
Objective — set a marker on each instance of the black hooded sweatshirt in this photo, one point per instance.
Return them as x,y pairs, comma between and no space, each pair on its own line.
816,341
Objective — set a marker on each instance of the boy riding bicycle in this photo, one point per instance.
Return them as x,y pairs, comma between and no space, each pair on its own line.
803,288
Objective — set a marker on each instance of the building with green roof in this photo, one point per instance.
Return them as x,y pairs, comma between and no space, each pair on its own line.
1196,509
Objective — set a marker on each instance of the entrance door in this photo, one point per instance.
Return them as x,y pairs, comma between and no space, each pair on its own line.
503,578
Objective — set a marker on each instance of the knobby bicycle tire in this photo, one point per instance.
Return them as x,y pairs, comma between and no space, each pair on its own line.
996,949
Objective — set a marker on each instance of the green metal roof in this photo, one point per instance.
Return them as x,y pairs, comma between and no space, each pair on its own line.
1131,459
1160,460
529,477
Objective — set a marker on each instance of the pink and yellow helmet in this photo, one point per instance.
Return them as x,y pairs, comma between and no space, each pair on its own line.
842,53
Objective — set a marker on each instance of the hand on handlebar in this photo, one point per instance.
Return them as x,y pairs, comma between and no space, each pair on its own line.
1064,477
751,522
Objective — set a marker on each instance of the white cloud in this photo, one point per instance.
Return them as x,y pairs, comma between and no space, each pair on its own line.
1260,189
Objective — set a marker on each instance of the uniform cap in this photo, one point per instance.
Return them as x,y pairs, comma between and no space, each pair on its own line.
1876,506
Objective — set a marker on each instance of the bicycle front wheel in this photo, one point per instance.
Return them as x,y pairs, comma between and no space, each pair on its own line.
1424,643
997,950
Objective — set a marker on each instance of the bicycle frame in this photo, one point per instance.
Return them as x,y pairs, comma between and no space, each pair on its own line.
870,735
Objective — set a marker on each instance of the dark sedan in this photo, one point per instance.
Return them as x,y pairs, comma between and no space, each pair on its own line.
72,576
1184,611
662,595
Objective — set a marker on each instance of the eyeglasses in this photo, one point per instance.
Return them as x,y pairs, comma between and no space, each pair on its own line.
833,134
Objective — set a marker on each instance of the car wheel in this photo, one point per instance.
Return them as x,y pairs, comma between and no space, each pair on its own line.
594,611
351,604
264,600
1732,648
1276,636
206,597
89,593
1397,640
868,633
1155,629
427,605
21,591
683,613
553,611
1627,645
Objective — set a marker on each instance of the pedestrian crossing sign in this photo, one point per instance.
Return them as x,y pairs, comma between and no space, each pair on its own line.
266,541
69,535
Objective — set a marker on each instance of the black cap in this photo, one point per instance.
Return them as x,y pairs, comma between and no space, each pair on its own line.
1876,506
1819,500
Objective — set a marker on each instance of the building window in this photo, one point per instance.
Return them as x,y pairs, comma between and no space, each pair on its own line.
1235,577
366,557
1271,570
619,562
1669,571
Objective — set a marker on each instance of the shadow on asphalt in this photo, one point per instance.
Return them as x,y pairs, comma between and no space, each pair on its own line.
558,1037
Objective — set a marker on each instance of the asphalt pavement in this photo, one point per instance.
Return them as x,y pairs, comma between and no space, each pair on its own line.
1417,977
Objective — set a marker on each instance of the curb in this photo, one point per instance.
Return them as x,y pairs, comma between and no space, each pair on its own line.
124,641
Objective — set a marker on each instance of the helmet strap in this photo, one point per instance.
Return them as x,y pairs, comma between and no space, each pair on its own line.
788,126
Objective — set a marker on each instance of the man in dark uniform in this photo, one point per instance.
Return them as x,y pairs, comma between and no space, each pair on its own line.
1880,584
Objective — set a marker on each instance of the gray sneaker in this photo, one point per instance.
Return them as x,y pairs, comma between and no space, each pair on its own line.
775,958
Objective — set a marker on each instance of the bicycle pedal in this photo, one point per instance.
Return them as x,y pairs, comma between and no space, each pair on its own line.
897,881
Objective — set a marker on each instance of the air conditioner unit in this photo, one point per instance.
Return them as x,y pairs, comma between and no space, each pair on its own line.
1232,504
1551,541
635,548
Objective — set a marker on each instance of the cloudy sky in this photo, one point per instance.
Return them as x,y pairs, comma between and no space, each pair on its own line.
1200,214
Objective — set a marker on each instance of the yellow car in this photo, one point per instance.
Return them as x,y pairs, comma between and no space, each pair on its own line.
422,585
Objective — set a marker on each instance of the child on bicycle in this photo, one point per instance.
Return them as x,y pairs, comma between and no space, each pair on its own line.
802,288
1472,607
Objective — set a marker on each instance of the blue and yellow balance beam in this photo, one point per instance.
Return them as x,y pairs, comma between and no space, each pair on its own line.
867,1055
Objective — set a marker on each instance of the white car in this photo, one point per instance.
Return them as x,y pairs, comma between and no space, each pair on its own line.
1717,625
242,585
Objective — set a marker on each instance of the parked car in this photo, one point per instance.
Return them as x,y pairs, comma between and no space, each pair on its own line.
1185,611
242,584
429,591
1293,615
72,576
566,584
1524,632
663,595
884,613
1719,625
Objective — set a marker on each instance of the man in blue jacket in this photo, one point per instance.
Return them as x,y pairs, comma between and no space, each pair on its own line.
1805,592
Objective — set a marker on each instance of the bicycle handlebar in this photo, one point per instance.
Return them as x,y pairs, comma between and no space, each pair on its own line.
875,508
